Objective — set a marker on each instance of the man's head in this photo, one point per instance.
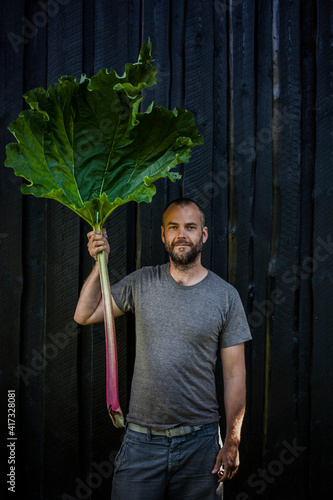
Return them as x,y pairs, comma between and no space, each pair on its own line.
184,202
183,231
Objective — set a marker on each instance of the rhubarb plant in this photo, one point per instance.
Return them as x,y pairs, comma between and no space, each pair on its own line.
87,145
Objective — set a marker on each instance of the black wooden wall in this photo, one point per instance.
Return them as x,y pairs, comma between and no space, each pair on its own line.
257,74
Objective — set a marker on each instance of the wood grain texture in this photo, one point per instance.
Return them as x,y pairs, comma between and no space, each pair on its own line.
11,269
33,311
321,374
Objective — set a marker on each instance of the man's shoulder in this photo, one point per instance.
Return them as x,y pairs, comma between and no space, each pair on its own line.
222,284
148,273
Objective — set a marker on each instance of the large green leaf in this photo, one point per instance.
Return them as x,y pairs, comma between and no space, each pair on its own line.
87,145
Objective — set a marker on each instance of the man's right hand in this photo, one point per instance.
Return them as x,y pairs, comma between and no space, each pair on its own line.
90,308
97,243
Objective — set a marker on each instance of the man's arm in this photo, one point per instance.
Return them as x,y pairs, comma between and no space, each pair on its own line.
89,308
234,377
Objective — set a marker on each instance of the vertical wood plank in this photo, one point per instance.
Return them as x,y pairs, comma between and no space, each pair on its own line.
241,169
178,12
11,272
33,311
261,228
322,379
219,173
304,318
199,77
155,25
61,452
282,300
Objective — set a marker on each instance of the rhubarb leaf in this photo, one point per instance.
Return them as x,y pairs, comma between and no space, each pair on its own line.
87,145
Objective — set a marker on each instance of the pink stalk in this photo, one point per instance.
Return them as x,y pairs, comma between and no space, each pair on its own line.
112,396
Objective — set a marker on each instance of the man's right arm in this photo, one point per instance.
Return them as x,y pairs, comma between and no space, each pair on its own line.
89,308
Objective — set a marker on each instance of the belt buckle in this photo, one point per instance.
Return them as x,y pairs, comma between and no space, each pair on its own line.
176,431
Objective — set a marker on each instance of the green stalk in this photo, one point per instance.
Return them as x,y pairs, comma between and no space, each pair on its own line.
112,395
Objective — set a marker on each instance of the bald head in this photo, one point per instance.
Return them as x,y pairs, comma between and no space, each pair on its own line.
184,202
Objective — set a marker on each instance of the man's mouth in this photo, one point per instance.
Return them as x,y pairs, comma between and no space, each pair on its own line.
182,244
182,247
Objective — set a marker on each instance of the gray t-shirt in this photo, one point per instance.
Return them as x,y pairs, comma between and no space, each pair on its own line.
179,330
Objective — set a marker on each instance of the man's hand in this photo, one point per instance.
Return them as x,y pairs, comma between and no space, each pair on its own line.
97,243
90,308
227,462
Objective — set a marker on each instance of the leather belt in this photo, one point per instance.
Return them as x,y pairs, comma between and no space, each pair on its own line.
181,430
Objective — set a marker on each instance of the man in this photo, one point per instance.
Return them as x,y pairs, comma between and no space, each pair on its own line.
185,315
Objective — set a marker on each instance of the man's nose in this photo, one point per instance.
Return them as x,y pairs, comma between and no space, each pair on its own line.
181,232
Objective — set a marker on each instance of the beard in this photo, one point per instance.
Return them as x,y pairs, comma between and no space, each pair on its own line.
184,259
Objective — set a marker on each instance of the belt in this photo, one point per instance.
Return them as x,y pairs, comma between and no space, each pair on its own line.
181,430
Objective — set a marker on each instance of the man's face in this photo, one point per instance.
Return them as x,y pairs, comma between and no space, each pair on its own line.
182,233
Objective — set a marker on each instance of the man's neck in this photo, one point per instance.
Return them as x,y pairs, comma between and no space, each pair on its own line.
188,275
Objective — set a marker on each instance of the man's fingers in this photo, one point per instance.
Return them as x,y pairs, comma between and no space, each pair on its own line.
217,465
218,469
97,243
96,235
226,474
93,233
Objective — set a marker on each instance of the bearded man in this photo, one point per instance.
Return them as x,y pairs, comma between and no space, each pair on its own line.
185,316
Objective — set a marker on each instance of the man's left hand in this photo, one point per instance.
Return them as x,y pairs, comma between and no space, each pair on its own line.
227,462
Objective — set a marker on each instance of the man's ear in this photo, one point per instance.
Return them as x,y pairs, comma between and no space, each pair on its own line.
205,234
162,234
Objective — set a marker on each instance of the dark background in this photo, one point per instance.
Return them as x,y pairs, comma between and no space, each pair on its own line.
258,77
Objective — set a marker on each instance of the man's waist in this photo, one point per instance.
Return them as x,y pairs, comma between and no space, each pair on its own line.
179,430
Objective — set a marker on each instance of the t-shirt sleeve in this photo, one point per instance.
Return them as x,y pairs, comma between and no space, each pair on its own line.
123,292
236,329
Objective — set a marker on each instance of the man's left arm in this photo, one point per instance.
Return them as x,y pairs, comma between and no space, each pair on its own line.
234,378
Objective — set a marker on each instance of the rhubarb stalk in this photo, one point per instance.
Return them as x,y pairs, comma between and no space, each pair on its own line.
112,394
